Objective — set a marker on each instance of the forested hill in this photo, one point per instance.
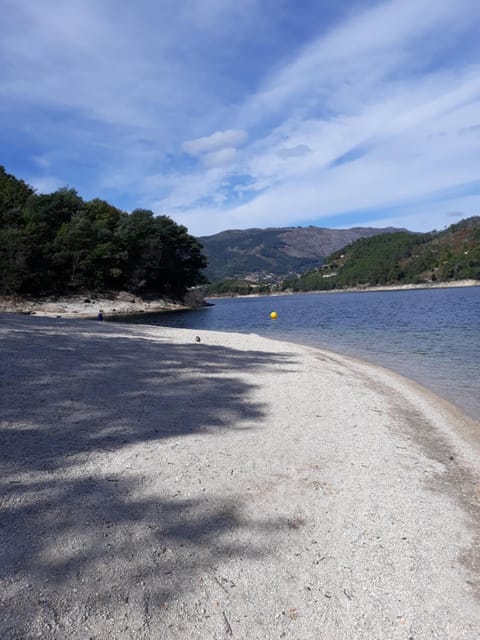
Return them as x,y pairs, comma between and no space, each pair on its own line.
257,253
59,243
400,258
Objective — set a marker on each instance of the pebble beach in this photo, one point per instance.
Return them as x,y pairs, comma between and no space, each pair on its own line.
167,483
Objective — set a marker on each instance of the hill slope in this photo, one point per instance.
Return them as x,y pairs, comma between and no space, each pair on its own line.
401,257
278,251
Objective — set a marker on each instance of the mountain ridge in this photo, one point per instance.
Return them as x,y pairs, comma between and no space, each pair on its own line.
276,251
400,258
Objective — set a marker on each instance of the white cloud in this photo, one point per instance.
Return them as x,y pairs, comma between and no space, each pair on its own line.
413,124
183,191
338,69
415,144
220,158
124,91
216,141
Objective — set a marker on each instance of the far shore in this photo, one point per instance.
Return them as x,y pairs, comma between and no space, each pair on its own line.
361,289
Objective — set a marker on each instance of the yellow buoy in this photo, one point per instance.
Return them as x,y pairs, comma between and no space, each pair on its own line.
273,315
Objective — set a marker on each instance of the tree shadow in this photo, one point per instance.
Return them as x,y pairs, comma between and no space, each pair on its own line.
86,535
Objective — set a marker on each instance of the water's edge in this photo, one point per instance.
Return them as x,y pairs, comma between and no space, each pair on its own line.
431,337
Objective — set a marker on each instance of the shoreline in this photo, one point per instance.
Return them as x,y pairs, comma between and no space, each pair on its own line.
123,303
468,426
469,413
456,381
156,484
393,287
88,306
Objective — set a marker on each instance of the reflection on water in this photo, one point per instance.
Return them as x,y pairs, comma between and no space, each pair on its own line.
431,336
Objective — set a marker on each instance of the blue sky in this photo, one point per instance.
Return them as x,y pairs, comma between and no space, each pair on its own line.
227,114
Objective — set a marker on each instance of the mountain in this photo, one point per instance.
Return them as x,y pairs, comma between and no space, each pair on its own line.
400,258
256,253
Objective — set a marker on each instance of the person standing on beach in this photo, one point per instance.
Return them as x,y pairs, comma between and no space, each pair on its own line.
100,316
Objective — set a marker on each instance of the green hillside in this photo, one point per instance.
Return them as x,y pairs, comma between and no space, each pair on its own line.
399,258
259,254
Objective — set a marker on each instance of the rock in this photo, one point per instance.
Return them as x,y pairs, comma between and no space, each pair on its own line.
124,296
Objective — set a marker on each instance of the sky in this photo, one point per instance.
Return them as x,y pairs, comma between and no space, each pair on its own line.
259,113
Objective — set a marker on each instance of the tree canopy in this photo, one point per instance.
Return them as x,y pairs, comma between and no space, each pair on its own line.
59,243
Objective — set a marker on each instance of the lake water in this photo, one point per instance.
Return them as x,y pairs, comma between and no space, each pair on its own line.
429,335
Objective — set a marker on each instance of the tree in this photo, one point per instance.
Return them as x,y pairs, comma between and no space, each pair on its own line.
162,256
14,194
89,248
44,216
58,243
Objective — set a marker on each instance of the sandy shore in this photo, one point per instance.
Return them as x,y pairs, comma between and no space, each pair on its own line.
154,486
86,306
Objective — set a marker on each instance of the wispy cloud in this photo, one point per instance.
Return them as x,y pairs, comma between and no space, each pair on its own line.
379,138
224,115
217,149
218,140
299,151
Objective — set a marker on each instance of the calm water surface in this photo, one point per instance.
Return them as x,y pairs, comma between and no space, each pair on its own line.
429,335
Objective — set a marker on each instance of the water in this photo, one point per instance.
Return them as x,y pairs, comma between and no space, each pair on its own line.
429,335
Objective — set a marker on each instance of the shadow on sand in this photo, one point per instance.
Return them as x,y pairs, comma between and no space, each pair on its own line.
79,539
